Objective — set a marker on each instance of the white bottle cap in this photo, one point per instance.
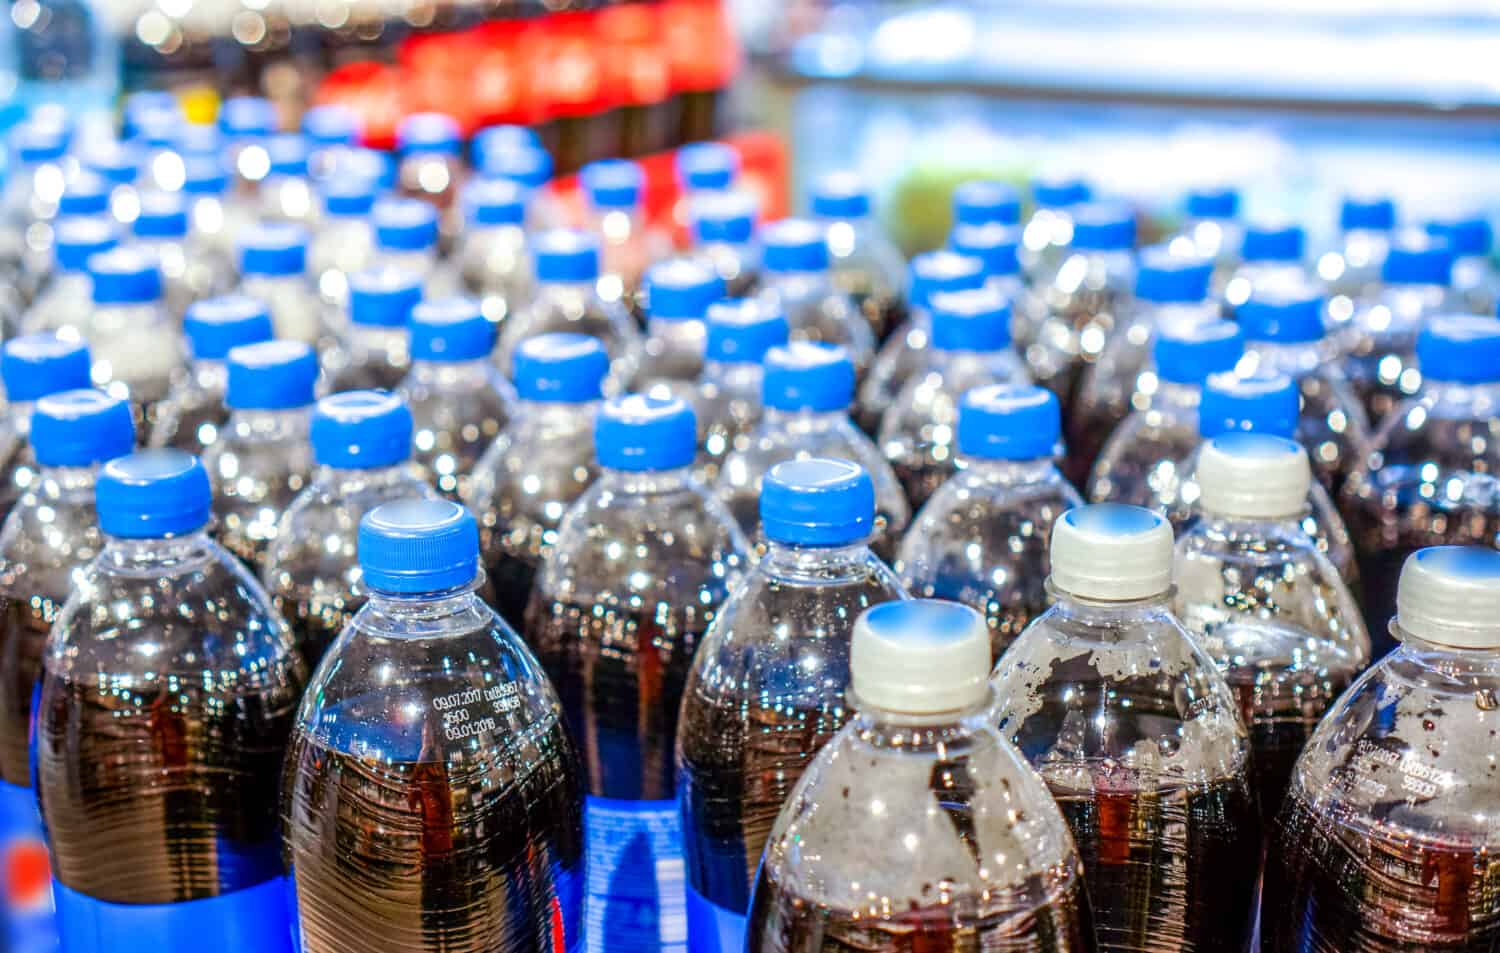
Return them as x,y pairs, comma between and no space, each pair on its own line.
1253,476
1111,552
920,657
1450,595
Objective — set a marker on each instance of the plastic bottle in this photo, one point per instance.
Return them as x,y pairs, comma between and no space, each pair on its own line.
287,194
459,401
797,280
136,345
805,393
970,348
706,167
530,166
431,148
1476,281
1048,233
246,122
1265,602
1271,264
723,227
344,242
262,460
767,689
542,461
494,254
36,171
1142,462
65,54
677,294
863,263
406,239
438,803
981,202
1385,842
1212,224
740,333
1429,478
189,273
193,414
1352,267
1135,732
67,294
332,132
169,690
373,351
996,247
642,563
919,826
614,189
982,539
361,444
216,214
119,164
48,540
902,355
31,367
273,269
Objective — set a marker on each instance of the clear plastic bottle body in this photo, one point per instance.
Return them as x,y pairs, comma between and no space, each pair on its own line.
670,361
1352,267
193,413
459,408
437,807
341,246
1380,344
189,273
62,302
1143,462
1476,283
1332,424
739,264
18,467
495,262
368,357
1085,300
913,833
627,247
296,311
729,409
572,307
259,464
982,540
137,349
867,267
219,219
1136,734
817,310
903,354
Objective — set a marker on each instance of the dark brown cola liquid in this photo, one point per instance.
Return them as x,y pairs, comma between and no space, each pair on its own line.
919,480
512,577
24,624
316,617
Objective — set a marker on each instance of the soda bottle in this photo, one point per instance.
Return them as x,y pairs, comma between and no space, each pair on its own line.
1142,462
567,299
1271,265
286,193
542,461
530,166
67,294
1212,224
32,367
863,262
332,131
48,539
193,413
919,826
1385,843
344,242
643,561
902,355
245,123
459,401
980,202
741,331
982,538
996,247
677,296
616,216
119,165
406,239
215,213
1352,267
431,148
494,254
805,393
797,280
1264,602
169,690
37,166
970,348
361,444
136,345
1476,281
767,689
373,352
1429,478
1048,233
706,167
262,460
723,227
274,270
188,272
1135,732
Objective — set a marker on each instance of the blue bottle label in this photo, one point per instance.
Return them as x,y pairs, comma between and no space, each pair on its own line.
712,928
251,919
636,900
29,926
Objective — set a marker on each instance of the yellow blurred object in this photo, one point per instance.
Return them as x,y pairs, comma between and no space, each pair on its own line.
200,104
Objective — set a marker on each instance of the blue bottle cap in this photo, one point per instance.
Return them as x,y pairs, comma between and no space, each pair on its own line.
216,326
530,166
331,126
152,494
405,224
36,141
613,183
162,215
986,202
274,249
817,502
1188,354
414,546
681,289
1103,226
1285,317
271,375
566,255
247,117
1465,236
1461,348
383,297
842,195
794,245
560,368
429,133
1255,403
370,164
1052,191
942,271
288,153
35,365
348,196
495,201
1417,258
993,244
743,330
702,166
76,240
81,428
1372,212
361,430
495,140
640,432
1214,202
807,376
450,330
1009,422
118,163
204,175
198,141
1167,277
87,194
156,128
127,275
973,320
723,217
1280,241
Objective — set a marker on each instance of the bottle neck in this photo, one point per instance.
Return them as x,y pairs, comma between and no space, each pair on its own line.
1114,616
270,424
646,482
924,732
778,419
346,480
157,554
1173,397
1011,472
461,374
797,562
420,615
73,485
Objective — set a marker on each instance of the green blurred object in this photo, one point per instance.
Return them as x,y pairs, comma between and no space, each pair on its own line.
919,211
